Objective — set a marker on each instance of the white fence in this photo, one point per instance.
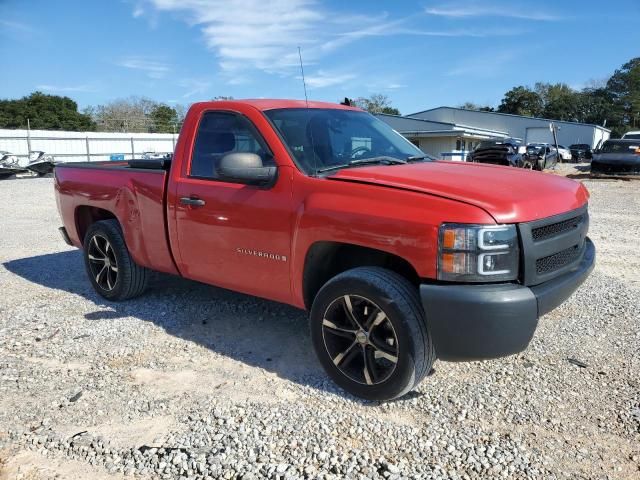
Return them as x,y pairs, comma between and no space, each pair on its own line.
84,146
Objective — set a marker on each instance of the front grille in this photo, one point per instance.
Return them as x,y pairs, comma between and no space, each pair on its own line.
558,260
549,231
553,246
616,168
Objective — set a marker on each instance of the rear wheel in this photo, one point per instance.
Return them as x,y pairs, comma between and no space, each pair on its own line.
370,334
112,271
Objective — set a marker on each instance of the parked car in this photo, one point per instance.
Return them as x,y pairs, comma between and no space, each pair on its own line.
540,156
631,136
617,158
565,153
581,152
497,151
399,259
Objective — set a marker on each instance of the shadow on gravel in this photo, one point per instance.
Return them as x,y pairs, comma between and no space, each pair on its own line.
256,332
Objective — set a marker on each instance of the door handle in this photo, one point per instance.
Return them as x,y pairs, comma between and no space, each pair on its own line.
192,201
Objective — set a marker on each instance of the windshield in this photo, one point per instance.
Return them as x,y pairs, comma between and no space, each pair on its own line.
583,146
632,136
326,138
620,147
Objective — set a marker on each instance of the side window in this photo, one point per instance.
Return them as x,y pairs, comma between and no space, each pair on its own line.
220,133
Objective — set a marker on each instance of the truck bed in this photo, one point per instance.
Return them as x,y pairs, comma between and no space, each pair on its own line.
134,192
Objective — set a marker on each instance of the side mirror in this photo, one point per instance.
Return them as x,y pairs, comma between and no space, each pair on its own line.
247,168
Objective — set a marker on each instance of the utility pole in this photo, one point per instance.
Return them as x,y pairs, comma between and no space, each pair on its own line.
29,138
554,130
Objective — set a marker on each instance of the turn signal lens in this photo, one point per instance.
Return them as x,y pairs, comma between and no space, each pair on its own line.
459,239
457,263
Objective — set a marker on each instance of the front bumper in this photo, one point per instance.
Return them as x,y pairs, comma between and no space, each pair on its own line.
615,167
475,322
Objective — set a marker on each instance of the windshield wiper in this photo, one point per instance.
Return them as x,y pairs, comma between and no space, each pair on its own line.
415,158
364,161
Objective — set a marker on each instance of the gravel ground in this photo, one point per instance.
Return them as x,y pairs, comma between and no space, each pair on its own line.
191,381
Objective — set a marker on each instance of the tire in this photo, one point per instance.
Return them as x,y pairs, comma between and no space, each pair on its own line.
118,277
391,352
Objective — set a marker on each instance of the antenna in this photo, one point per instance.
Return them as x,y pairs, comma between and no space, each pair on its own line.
306,101
304,84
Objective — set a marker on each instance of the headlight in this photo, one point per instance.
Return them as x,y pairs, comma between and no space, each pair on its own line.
478,253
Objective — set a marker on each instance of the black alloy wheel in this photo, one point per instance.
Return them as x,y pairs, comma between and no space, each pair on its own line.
102,262
360,339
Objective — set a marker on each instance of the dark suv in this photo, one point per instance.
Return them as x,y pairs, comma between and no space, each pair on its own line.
498,151
580,152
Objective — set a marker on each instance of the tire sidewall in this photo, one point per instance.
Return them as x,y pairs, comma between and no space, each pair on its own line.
114,236
403,377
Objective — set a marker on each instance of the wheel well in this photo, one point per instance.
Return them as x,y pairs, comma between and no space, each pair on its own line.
325,260
87,216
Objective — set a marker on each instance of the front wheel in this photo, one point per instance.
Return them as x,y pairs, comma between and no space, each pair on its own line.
370,333
112,271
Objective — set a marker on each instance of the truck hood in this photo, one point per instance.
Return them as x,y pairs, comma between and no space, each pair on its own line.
508,194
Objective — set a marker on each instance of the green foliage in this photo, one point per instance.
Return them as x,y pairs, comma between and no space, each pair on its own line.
624,86
521,101
45,112
164,119
559,101
615,104
475,106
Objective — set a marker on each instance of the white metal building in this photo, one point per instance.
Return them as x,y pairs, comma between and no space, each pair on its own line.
452,132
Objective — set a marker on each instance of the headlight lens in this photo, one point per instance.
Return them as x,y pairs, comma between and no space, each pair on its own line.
478,253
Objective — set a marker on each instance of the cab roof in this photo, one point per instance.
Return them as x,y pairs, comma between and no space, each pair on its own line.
272,104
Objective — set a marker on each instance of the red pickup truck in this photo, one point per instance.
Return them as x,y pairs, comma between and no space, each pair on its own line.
400,259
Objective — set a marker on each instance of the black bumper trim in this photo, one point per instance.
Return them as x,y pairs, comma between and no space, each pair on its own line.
552,293
65,236
476,322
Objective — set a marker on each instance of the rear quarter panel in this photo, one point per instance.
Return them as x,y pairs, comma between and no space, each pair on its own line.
134,197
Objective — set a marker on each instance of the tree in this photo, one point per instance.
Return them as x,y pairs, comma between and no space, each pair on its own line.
475,106
377,103
124,115
624,86
559,101
521,101
597,107
163,119
45,112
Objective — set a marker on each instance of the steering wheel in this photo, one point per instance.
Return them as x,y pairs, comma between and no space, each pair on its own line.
359,151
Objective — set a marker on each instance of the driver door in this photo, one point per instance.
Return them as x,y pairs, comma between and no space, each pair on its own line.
229,234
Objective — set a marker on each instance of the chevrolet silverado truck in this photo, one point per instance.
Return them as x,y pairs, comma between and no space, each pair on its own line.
398,258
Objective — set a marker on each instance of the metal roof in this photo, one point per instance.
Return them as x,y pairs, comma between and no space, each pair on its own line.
507,115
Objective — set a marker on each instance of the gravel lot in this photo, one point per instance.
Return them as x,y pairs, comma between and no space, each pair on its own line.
197,382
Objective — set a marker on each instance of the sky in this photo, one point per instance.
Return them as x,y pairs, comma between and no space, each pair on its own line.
422,54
